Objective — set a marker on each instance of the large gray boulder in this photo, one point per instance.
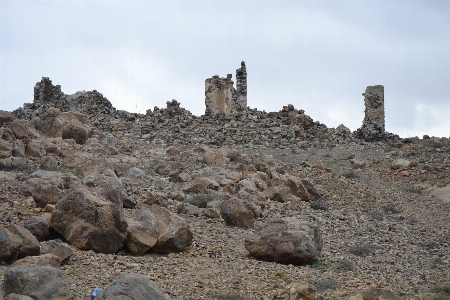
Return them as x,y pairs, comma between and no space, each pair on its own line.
132,287
10,244
89,222
38,282
287,241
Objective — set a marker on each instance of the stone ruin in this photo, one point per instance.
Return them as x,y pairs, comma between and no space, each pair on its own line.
222,97
373,123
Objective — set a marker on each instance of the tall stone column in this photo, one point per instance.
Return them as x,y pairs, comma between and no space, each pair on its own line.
373,127
241,86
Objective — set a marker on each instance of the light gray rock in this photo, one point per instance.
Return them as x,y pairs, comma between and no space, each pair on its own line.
132,287
58,248
286,241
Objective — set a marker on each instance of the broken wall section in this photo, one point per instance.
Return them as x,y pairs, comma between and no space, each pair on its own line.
373,128
222,97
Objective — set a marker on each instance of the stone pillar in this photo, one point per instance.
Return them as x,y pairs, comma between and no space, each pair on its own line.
241,86
219,94
373,124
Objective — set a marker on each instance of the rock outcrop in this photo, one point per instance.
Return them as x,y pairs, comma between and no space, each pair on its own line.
373,123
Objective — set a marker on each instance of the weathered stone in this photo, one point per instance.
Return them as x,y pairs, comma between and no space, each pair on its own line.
38,227
214,159
142,231
400,163
373,123
5,117
10,244
89,222
235,213
14,296
222,97
376,294
58,248
47,194
132,286
287,241
41,260
38,282
80,133
30,245
174,233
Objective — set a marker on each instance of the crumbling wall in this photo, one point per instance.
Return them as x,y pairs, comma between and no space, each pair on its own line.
222,97
45,91
219,94
373,128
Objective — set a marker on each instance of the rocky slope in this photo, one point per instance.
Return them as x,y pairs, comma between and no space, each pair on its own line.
186,200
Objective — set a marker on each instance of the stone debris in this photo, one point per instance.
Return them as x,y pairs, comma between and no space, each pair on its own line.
246,204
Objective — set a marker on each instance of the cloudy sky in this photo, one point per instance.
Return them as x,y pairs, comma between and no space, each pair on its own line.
317,55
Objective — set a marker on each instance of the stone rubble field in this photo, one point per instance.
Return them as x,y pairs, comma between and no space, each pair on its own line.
251,205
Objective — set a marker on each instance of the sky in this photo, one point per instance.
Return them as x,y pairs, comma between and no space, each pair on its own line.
317,55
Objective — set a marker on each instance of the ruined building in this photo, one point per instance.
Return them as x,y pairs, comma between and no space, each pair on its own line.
373,123
222,97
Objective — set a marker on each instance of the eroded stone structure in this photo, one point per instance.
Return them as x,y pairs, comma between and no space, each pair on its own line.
222,97
373,123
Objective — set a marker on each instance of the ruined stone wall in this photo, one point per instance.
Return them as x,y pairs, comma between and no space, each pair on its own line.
45,91
219,95
373,128
222,97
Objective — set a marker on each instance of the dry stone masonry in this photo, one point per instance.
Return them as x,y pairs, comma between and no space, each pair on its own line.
373,124
222,97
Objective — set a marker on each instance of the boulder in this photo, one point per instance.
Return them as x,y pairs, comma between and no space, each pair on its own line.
285,241
142,231
5,117
41,260
235,213
38,227
400,164
376,294
47,194
58,248
10,244
89,222
214,159
37,282
132,286
14,296
30,245
77,131
174,233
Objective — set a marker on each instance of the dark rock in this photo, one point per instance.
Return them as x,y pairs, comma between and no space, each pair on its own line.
235,213
38,227
38,282
58,248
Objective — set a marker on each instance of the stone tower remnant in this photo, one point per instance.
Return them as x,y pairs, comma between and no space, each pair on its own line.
373,123
222,97
45,91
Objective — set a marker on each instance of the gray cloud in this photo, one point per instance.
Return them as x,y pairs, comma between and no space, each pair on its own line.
317,55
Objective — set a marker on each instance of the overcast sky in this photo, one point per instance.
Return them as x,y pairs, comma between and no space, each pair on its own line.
317,55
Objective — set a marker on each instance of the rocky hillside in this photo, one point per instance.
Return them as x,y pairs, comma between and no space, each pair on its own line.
252,205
